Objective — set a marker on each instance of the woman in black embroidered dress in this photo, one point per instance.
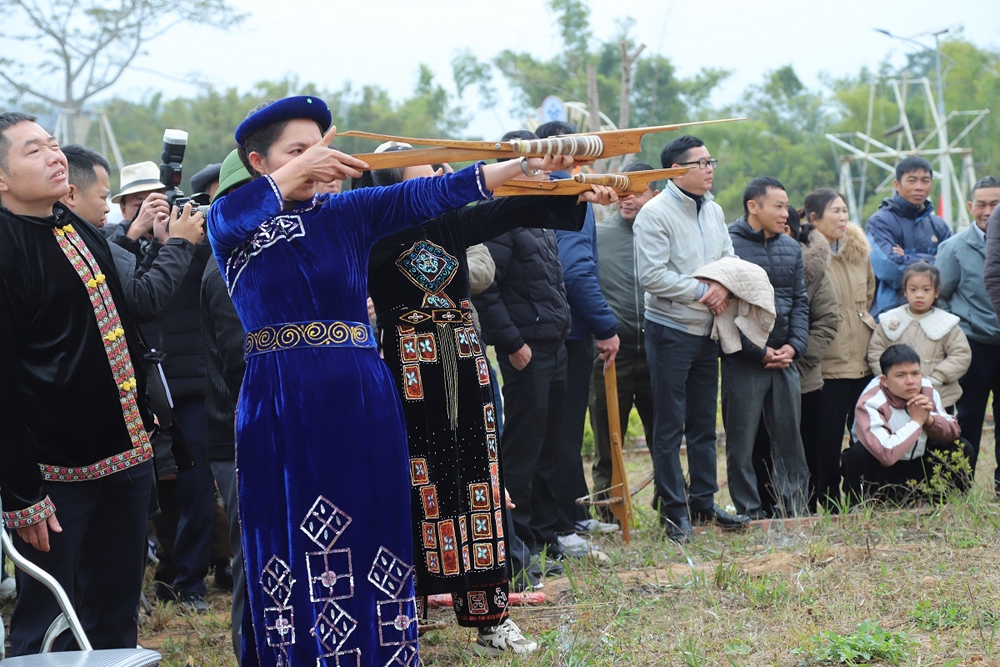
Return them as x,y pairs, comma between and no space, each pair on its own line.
419,283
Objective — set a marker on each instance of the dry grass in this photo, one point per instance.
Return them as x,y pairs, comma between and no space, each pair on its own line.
756,598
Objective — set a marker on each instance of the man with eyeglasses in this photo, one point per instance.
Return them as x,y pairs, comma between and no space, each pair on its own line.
681,230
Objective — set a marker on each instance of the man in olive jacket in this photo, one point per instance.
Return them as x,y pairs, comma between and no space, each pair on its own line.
620,286
756,380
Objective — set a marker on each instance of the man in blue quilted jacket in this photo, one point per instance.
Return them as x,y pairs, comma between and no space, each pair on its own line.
904,230
764,381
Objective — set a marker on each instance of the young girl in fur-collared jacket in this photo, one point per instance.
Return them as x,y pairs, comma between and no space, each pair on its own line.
934,333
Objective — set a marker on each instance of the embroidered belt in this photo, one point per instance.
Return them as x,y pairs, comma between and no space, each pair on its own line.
321,333
438,315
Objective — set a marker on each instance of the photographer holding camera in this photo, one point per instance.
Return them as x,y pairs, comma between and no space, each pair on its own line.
147,198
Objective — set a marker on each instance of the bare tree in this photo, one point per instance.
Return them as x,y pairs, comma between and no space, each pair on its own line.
88,44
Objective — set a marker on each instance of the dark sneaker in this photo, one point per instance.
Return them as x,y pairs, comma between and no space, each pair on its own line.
720,517
193,603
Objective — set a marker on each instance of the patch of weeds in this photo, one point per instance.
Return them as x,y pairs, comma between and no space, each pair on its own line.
172,651
726,575
763,592
927,616
950,472
871,643
692,655
735,648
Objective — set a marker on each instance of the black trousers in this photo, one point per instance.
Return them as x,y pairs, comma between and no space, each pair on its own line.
763,463
865,478
534,399
196,493
825,440
982,377
684,370
635,388
98,558
569,482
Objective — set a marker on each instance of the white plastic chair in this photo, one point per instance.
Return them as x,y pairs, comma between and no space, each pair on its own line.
67,620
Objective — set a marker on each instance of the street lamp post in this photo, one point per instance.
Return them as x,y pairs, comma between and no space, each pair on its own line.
945,161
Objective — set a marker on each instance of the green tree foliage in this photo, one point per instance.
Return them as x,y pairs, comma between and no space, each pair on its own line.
211,117
783,138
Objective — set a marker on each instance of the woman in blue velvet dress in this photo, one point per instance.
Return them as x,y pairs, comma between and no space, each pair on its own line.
321,447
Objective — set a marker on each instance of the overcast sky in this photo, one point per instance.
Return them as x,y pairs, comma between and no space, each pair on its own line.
382,41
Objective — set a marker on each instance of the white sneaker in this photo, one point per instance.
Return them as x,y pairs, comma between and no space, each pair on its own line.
576,546
505,637
8,589
594,526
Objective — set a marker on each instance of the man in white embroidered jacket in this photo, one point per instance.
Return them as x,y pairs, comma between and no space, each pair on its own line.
75,458
900,433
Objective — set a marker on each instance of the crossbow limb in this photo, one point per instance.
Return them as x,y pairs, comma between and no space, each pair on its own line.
590,146
628,183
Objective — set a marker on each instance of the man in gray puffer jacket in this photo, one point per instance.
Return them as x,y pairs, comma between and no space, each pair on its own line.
756,380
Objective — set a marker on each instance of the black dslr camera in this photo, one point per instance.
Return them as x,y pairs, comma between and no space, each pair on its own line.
171,172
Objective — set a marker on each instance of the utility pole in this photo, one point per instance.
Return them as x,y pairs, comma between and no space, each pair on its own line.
945,166
942,124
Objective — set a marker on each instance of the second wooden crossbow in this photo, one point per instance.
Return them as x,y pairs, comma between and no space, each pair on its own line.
628,183
589,146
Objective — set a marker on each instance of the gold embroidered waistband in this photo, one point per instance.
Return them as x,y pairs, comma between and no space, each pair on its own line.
321,333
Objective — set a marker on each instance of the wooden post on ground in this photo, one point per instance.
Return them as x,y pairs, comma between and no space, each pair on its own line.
619,495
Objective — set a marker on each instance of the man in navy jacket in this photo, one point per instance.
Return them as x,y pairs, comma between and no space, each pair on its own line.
904,230
591,318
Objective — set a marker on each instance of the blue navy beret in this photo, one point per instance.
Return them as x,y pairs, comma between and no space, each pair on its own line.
302,106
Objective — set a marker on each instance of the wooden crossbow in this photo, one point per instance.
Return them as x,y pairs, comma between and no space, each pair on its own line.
628,183
590,146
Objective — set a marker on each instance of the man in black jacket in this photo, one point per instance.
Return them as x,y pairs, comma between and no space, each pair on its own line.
526,317
75,458
150,285
222,334
186,496
755,380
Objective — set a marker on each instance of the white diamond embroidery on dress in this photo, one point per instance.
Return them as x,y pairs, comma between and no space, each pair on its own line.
324,523
277,581
389,573
350,658
331,575
394,620
280,625
333,627
406,656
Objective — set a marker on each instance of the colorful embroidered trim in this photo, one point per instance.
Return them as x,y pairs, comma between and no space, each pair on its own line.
29,515
108,466
293,335
116,348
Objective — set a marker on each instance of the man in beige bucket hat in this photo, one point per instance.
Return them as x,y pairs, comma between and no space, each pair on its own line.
142,201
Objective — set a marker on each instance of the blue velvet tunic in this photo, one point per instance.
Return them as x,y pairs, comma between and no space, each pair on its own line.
321,446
